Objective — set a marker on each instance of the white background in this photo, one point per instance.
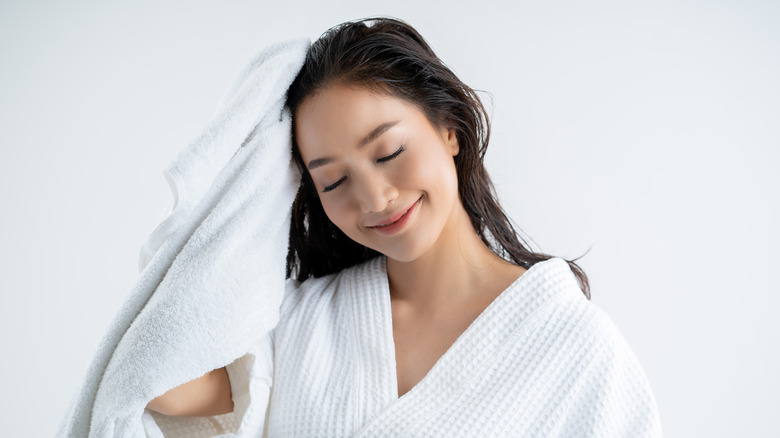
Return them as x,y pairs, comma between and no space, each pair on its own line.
647,132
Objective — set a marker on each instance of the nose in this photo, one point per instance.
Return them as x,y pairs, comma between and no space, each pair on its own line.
374,192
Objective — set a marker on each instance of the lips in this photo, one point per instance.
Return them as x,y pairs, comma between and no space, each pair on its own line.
394,218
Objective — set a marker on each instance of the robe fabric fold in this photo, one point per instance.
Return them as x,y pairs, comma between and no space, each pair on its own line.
540,361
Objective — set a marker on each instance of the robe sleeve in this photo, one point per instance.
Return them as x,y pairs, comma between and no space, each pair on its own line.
251,379
615,399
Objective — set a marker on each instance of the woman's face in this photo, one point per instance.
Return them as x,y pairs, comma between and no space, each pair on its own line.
377,160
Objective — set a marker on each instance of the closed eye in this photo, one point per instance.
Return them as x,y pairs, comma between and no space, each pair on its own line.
390,157
334,185
381,160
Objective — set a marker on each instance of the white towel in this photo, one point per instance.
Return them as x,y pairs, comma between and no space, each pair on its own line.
213,272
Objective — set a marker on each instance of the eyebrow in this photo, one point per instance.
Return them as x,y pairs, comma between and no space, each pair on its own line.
373,135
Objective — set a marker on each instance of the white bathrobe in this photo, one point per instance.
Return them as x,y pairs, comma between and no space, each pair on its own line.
540,361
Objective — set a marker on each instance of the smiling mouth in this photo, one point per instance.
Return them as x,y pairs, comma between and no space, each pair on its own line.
391,223
399,217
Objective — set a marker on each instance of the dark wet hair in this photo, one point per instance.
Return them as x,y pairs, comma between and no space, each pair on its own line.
387,55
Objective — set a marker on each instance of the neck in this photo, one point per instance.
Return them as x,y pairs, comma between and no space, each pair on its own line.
453,271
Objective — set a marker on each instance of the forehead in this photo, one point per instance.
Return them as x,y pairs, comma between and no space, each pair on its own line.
340,116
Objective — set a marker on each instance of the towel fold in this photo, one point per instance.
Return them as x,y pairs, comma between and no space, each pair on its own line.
213,272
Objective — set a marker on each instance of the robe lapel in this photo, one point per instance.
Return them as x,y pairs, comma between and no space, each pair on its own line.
375,385
381,409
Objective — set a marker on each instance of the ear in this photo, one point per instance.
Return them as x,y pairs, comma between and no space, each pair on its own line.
451,139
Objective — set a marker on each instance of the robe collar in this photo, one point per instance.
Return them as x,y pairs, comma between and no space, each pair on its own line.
379,407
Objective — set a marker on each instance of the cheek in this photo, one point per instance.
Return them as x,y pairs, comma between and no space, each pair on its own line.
434,170
336,211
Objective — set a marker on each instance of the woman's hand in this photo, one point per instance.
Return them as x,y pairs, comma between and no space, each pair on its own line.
207,395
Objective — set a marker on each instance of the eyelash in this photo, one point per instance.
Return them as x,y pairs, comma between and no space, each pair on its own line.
380,161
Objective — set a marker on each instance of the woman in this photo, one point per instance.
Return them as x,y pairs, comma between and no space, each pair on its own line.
416,307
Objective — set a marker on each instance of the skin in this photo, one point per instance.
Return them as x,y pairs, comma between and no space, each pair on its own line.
441,275
207,395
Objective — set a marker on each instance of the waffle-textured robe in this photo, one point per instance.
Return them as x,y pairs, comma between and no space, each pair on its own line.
540,361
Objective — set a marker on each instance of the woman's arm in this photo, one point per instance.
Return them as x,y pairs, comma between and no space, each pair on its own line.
207,395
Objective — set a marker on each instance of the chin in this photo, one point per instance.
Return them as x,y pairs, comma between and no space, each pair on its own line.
406,254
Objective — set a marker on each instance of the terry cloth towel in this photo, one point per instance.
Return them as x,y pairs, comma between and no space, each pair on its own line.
213,272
